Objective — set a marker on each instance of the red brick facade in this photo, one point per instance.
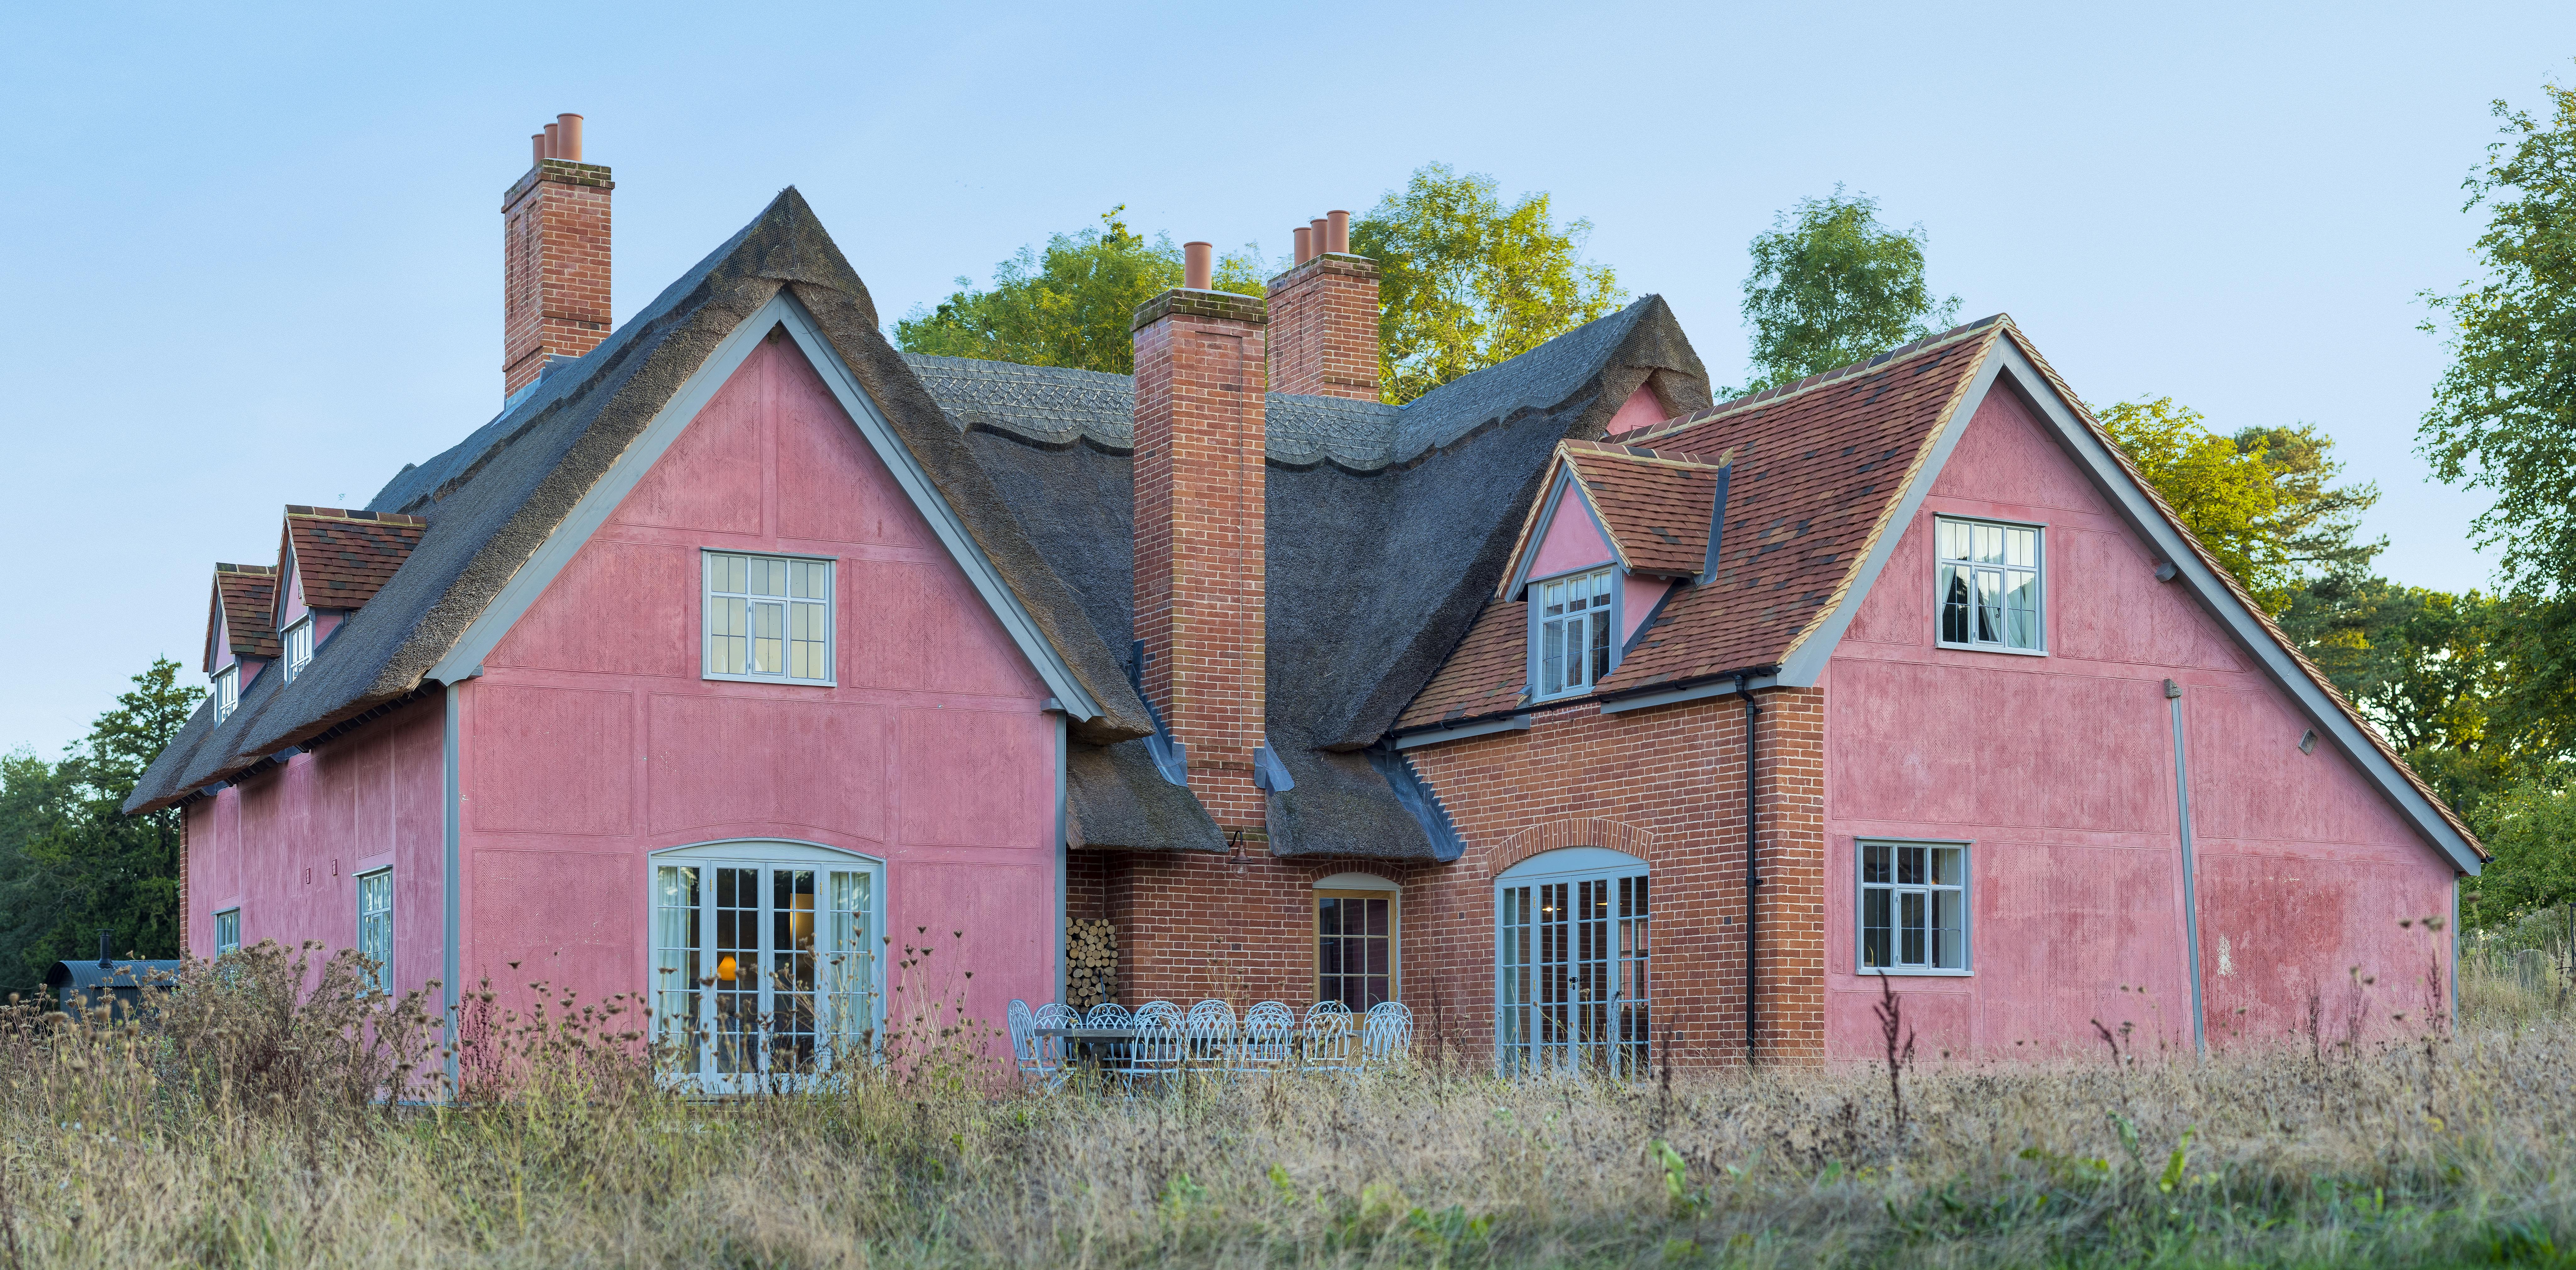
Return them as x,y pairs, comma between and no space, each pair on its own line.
1323,328
1666,785
554,267
1200,515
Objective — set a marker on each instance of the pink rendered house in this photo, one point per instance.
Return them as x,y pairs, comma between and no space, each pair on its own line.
740,654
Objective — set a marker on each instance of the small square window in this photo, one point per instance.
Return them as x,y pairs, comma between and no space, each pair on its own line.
227,690
1989,579
227,931
1570,620
1913,907
299,646
768,618
376,926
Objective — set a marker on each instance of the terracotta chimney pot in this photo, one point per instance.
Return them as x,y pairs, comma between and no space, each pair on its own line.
554,142
1322,235
1337,233
1305,243
1198,266
569,135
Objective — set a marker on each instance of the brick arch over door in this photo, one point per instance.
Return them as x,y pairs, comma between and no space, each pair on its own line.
1584,832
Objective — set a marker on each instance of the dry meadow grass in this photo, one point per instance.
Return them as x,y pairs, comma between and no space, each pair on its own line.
240,1132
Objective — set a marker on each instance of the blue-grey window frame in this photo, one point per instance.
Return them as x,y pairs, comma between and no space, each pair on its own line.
1537,628
2040,553
1967,909
831,619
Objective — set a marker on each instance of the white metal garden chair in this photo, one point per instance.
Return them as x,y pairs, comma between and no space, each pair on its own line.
1108,1014
1161,1044
1025,1047
1212,1035
1269,1038
1386,1036
1052,1051
1330,1041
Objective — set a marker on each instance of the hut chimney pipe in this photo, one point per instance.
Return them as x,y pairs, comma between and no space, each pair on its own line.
1337,232
1198,266
106,958
568,132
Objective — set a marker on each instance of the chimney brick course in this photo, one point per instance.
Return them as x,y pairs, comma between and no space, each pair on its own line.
555,263
1323,328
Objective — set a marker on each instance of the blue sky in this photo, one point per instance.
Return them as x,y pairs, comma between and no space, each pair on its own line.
253,253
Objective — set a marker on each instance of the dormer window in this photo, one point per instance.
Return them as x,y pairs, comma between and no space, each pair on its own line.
1570,630
299,646
227,690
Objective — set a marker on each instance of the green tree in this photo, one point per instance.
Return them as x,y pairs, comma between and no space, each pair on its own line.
2504,414
1831,286
2263,501
2532,832
1466,281
1070,305
80,863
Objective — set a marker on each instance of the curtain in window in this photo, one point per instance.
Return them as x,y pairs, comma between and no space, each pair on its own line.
675,968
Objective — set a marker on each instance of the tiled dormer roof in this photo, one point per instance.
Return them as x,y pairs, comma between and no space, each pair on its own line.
344,557
244,602
1655,504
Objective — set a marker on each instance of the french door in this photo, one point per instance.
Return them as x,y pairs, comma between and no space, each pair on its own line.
1571,990
766,970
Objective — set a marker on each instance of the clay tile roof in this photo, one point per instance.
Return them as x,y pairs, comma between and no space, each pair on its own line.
1655,503
245,600
344,557
1487,675
1818,466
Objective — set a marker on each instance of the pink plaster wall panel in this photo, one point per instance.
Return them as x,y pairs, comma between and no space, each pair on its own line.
1573,540
2005,457
1637,598
918,625
325,623
1961,744
831,485
571,919
2104,604
552,760
734,761
995,785
713,475
1939,1016
994,919
1640,410
223,655
290,604
1893,612
2250,781
2280,931
594,625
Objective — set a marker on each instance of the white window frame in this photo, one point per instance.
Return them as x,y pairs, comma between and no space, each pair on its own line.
227,691
1568,1025
1862,887
1363,887
221,947
709,598
686,1020
1606,613
376,924
298,640
1943,562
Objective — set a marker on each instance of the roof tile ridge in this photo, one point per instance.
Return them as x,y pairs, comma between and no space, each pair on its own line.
1887,511
1667,458
253,570
299,511
1781,392
2315,673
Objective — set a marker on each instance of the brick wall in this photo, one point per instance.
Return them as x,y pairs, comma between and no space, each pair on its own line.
1665,785
1323,328
554,267
1200,564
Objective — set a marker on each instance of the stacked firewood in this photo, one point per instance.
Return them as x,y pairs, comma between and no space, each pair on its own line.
1091,963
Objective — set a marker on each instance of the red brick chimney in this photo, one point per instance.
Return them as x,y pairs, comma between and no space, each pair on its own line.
1323,316
554,257
1200,380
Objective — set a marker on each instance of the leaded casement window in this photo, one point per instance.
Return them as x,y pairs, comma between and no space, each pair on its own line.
1355,947
1571,991
376,926
1913,907
1990,593
768,618
299,646
768,963
227,690
1570,620
227,931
